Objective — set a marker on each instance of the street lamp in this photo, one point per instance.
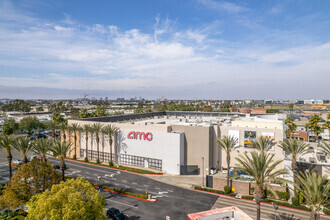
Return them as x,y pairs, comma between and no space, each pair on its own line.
275,208
203,171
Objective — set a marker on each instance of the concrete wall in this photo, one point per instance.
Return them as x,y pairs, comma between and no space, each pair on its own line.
198,143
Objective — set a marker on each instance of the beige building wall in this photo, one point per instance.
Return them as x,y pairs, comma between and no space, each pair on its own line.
278,136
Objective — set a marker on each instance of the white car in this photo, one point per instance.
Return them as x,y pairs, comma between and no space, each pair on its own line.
18,162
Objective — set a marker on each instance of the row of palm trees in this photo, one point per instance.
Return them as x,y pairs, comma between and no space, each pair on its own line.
41,146
263,168
74,130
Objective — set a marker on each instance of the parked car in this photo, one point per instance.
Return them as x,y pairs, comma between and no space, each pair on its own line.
115,214
33,157
18,162
58,166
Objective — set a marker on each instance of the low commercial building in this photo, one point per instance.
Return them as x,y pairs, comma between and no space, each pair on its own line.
178,142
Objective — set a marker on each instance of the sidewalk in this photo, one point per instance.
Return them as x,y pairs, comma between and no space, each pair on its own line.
182,181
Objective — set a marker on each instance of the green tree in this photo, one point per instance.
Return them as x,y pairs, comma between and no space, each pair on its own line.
40,109
28,180
97,128
100,111
58,107
138,111
326,125
41,146
314,126
83,113
86,129
9,126
53,126
6,143
63,128
148,108
73,199
75,128
29,124
315,189
263,144
325,147
57,118
60,150
264,171
23,146
228,144
291,126
295,149
110,131
207,109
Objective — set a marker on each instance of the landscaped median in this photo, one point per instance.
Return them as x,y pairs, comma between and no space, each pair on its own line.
119,191
266,201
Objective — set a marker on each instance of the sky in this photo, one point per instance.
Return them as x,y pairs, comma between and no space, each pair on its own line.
186,49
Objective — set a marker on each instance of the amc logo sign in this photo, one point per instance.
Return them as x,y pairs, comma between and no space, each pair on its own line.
140,135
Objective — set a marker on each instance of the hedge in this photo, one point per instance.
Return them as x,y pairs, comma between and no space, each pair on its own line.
142,196
326,211
248,197
286,204
215,191
125,168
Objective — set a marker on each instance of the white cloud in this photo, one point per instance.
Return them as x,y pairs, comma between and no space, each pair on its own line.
223,6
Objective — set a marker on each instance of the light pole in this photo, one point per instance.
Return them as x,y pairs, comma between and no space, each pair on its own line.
202,171
275,208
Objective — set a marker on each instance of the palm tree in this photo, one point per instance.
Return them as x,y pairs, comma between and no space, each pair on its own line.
228,144
86,128
60,150
52,126
263,144
6,143
325,147
291,126
294,148
75,128
41,146
97,128
263,169
314,126
23,145
63,128
315,189
110,131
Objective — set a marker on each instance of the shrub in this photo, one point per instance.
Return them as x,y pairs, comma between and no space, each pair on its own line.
326,211
248,197
227,189
283,195
97,161
110,163
86,159
295,201
232,194
252,189
210,190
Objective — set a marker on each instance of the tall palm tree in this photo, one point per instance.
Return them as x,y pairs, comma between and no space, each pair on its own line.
263,144
23,145
42,146
110,131
52,126
314,126
294,148
86,128
6,143
97,128
315,189
61,149
228,144
291,126
325,147
75,128
263,169
63,128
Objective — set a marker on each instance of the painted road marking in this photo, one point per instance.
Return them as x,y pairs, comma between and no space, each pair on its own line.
132,206
124,181
162,192
134,183
170,190
139,189
157,188
116,184
127,187
145,185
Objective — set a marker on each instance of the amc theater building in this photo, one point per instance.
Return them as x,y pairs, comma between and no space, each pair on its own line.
176,142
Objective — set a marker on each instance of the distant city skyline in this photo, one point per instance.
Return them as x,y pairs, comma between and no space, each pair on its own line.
204,49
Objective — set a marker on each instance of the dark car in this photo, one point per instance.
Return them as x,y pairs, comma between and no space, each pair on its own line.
115,214
58,166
